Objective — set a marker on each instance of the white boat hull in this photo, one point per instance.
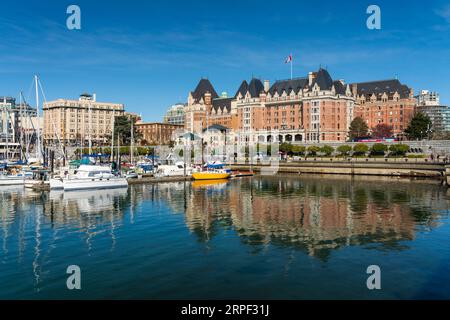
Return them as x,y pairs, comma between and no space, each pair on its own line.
56,184
93,183
29,183
11,181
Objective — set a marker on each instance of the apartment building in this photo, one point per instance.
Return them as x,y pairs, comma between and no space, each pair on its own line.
74,122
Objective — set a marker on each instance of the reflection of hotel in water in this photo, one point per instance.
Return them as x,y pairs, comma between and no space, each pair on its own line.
312,215
308,213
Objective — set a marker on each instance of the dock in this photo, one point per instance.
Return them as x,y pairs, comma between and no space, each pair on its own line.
158,180
149,179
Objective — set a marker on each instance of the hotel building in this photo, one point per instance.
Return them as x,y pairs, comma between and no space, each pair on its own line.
388,101
73,122
315,108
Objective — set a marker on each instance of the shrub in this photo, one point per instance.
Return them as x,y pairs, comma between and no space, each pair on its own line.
327,150
399,149
360,149
298,150
312,150
286,147
344,150
378,149
416,156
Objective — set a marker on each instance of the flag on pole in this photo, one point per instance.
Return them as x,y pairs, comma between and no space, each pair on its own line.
288,59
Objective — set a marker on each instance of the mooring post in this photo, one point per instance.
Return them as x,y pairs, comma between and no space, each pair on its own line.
447,175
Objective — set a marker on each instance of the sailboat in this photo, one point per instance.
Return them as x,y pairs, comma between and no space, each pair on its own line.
131,173
213,171
37,175
89,176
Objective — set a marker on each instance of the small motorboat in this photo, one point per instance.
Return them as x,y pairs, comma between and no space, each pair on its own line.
9,177
131,175
93,177
9,180
239,174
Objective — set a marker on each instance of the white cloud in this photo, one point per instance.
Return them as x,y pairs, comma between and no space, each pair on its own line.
444,12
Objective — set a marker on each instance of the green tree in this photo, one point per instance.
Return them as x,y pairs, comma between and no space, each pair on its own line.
378,149
327,150
382,130
419,127
312,150
360,149
399,149
358,128
122,127
344,150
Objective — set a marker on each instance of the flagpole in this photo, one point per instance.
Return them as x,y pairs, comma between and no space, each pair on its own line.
291,66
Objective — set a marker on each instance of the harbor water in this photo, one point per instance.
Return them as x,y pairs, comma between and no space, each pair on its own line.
250,238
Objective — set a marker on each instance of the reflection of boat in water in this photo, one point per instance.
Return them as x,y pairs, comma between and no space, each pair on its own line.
207,183
11,188
88,194
88,201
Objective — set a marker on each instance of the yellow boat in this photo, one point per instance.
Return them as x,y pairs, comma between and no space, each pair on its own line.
210,175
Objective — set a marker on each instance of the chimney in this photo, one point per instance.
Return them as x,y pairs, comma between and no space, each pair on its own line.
311,77
208,100
355,89
94,97
266,85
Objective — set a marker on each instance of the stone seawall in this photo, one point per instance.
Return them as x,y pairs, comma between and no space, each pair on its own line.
429,170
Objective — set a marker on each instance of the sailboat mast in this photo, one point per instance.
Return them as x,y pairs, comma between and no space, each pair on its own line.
90,128
132,141
21,118
28,126
38,125
118,151
7,131
112,137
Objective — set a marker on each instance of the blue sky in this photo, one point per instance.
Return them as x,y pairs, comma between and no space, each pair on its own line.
150,54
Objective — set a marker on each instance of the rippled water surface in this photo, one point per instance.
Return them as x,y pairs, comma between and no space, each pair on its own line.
274,238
